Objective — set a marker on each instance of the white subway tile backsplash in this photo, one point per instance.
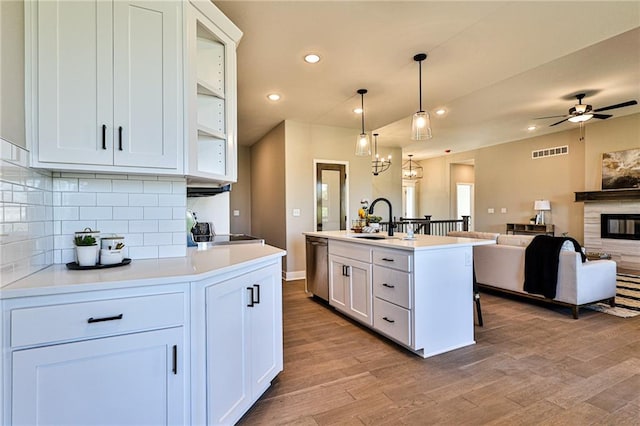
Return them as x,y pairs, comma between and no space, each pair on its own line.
40,211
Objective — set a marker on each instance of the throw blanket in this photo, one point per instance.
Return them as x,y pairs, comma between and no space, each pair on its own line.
541,260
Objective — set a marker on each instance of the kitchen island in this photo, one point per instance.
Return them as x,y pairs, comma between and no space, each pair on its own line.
189,340
417,292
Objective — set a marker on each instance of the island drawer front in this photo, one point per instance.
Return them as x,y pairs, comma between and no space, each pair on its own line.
392,320
73,321
391,285
359,252
392,259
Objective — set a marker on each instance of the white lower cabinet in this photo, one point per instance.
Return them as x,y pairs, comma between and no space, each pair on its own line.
123,380
350,288
97,358
242,333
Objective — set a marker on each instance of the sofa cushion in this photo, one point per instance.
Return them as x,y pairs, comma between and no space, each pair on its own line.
474,234
515,240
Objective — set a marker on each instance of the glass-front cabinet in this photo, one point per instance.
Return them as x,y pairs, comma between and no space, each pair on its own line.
211,91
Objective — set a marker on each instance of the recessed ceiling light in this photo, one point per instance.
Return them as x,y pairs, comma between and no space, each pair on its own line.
312,58
531,128
273,97
357,110
441,111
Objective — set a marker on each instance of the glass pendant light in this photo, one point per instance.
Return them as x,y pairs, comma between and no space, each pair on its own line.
421,124
411,170
377,165
363,144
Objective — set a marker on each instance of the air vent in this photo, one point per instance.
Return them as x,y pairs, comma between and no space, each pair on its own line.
550,152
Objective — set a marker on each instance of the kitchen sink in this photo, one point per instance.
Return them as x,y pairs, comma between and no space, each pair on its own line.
372,237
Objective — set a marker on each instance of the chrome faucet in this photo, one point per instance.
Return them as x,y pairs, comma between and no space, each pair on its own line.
391,224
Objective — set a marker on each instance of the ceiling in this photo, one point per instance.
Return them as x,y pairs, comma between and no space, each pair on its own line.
494,66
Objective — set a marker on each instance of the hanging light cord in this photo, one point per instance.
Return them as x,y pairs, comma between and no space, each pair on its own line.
420,82
362,107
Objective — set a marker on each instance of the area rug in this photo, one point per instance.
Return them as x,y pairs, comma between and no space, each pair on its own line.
627,298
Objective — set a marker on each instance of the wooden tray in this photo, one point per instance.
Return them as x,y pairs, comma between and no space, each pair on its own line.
74,265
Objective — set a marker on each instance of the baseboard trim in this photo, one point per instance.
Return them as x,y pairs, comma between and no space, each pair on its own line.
295,275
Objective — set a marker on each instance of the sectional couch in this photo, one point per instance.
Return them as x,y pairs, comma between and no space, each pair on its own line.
500,267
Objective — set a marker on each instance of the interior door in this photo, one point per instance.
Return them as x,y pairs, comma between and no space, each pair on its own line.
331,211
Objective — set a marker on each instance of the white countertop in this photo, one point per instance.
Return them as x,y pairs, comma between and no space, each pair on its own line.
398,241
196,265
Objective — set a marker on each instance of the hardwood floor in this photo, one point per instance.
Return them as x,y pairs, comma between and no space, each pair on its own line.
532,364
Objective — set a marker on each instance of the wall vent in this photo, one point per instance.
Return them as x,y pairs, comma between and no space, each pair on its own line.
550,152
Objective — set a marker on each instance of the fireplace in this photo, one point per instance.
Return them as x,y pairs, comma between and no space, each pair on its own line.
620,226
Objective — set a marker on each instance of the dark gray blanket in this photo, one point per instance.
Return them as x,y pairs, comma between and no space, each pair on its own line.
541,259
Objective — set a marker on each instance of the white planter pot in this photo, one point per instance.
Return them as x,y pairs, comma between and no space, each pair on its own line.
87,255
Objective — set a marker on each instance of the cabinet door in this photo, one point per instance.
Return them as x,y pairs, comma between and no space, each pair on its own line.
147,67
266,329
73,69
125,380
228,381
350,288
337,283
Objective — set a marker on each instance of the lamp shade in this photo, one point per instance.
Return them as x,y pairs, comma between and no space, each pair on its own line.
542,205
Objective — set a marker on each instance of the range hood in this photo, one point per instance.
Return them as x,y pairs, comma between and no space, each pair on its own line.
207,191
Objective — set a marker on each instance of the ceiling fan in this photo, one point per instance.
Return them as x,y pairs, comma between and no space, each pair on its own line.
582,112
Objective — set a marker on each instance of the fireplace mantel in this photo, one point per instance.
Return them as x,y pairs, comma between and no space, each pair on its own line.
609,195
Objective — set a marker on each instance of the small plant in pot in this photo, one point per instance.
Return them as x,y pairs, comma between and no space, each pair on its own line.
374,222
86,249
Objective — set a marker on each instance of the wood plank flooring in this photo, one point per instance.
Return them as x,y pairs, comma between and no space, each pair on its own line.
532,364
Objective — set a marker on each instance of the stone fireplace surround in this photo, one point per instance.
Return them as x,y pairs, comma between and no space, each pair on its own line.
626,253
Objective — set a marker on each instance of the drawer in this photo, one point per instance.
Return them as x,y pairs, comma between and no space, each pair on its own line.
396,259
392,286
359,252
55,323
392,320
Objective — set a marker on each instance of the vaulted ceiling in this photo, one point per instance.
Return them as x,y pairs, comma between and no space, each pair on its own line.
493,66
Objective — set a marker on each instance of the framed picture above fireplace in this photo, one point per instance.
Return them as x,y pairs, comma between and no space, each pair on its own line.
621,169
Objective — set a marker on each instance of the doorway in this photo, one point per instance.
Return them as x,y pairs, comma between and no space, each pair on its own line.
464,202
331,196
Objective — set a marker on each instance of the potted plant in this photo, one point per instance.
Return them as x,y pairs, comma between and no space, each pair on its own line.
86,249
374,222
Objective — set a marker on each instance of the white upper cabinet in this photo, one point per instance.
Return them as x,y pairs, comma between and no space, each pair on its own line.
104,85
210,94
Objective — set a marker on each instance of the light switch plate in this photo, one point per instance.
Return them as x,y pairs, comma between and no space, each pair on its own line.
490,211
296,212
503,210
236,212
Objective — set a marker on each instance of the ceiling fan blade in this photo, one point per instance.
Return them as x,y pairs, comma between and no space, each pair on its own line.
623,104
602,116
551,116
561,121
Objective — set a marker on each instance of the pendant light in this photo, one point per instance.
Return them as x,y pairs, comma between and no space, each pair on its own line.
363,144
377,165
411,170
421,124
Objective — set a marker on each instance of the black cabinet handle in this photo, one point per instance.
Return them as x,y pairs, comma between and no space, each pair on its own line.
347,268
386,259
388,285
120,138
257,287
174,369
104,136
388,320
251,301
113,318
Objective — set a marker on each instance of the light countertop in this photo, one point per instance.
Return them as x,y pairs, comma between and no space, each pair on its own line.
399,241
196,265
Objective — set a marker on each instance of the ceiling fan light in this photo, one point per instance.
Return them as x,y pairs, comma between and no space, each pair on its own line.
581,118
421,126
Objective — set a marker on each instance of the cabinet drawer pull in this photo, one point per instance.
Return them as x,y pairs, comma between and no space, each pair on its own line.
257,287
386,259
251,301
388,285
174,368
388,320
120,138
113,318
104,136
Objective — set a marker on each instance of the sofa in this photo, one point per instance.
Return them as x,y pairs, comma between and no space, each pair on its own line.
501,266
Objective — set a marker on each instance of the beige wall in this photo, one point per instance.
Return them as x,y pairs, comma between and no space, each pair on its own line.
268,217
12,72
506,176
240,195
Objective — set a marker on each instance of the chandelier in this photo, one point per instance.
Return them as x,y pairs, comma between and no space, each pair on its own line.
411,170
377,165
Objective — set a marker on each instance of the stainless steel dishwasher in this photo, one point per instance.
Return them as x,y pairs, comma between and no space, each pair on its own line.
318,267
